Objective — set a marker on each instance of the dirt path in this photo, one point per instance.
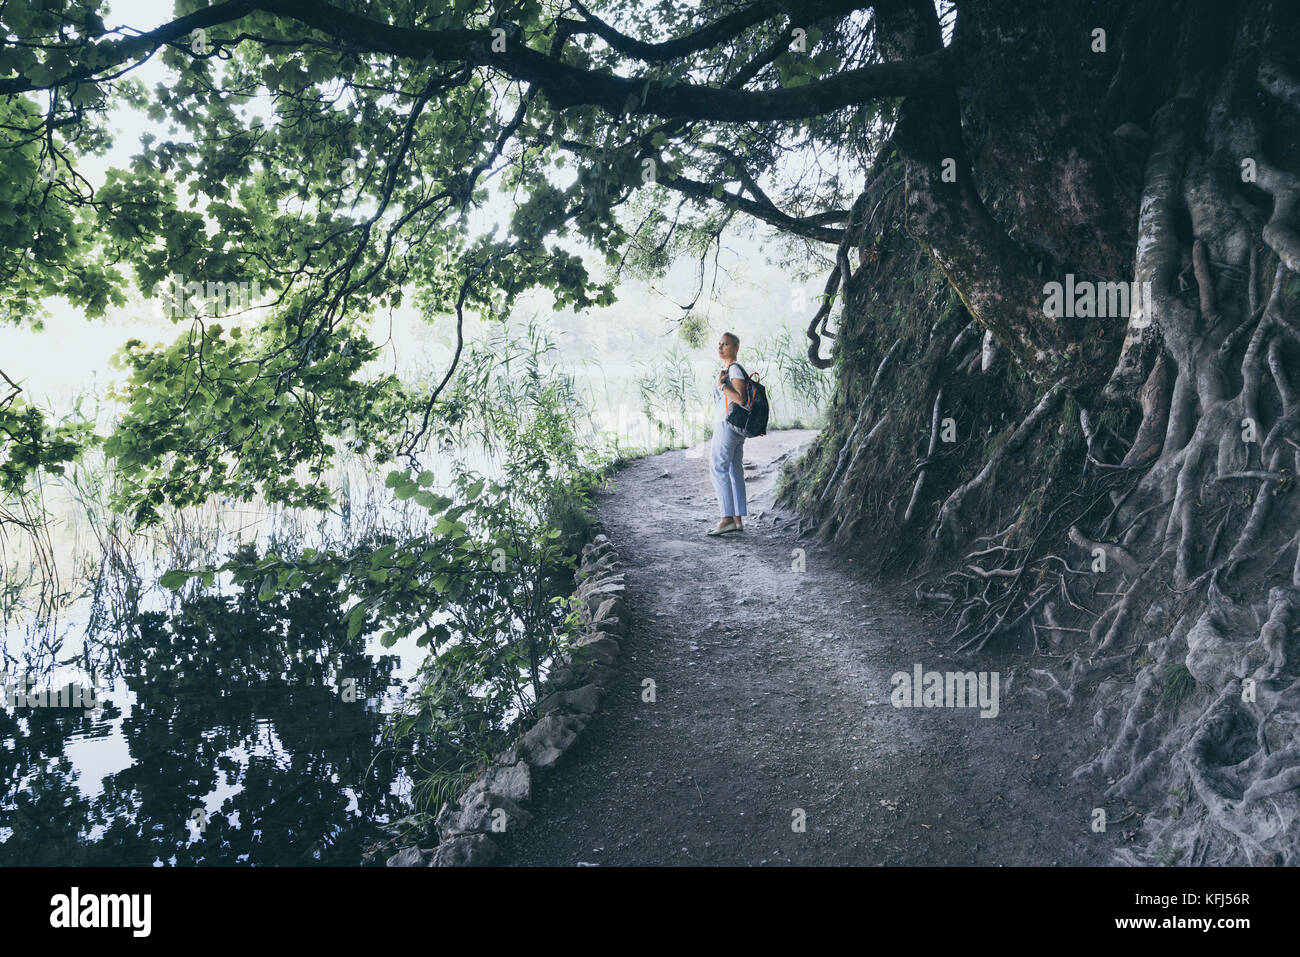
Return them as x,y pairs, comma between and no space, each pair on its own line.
773,693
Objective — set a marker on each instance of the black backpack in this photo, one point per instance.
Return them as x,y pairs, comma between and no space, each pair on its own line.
751,421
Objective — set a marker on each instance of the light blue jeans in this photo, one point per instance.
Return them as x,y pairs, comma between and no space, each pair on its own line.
727,467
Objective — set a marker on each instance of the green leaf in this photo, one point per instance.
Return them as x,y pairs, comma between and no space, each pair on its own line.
175,578
356,619
39,74
434,503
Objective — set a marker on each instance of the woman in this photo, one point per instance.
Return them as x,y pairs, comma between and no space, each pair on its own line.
726,461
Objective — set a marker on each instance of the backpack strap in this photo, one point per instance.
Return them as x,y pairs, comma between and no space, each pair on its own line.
749,385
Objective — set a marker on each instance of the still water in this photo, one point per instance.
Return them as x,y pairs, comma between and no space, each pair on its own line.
218,729
226,736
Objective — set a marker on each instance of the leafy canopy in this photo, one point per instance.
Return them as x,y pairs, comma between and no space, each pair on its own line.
337,157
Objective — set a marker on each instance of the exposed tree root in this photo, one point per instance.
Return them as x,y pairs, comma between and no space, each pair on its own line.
1204,734
1146,514
946,525
920,475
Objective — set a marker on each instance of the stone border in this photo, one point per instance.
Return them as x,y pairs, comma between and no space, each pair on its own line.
571,697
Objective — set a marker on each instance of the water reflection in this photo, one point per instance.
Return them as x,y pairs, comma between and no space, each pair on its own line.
225,737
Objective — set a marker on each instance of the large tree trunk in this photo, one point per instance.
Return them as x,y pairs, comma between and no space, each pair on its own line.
1136,516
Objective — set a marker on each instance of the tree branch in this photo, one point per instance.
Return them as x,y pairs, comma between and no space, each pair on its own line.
720,30
564,85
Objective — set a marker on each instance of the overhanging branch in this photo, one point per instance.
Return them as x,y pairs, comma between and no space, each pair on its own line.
563,84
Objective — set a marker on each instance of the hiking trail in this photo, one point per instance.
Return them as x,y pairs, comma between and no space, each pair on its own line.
772,691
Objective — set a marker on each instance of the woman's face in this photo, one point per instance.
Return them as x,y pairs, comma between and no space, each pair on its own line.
724,348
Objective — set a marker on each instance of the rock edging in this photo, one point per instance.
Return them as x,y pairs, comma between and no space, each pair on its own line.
493,806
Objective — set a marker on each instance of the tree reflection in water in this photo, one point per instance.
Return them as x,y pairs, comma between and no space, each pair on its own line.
237,709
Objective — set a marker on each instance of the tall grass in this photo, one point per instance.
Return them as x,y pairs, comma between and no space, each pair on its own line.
76,574
512,402
676,390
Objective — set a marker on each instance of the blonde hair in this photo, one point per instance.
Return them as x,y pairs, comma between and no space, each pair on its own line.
735,339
